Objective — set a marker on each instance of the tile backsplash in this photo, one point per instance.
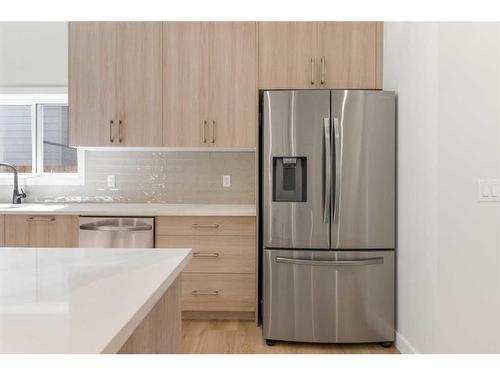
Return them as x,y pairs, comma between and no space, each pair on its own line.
155,177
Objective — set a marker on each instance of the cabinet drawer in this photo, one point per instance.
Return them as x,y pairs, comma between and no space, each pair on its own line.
41,231
227,254
205,225
218,292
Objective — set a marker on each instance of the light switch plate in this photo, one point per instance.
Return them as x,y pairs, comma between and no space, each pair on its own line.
111,181
226,181
488,190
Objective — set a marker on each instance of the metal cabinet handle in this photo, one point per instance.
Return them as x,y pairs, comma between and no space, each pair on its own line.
349,262
200,226
323,63
328,171
203,137
204,293
41,218
120,131
338,168
213,131
205,255
111,139
312,70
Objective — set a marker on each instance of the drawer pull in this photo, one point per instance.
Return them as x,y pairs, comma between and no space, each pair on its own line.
41,218
205,226
205,255
205,293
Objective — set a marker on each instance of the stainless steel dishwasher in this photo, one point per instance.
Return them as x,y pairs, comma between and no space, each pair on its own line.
116,232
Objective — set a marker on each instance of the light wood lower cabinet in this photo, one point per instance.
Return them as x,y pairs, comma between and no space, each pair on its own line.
206,225
220,280
41,231
2,242
218,292
160,331
233,254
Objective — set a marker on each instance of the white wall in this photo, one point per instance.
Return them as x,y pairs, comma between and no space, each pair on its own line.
33,54
447,76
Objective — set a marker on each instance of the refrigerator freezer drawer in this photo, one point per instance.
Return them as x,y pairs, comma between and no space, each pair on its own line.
329,296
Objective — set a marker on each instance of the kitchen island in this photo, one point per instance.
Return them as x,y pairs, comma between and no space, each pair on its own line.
69,300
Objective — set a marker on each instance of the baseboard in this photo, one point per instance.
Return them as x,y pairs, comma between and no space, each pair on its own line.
403,345
223,315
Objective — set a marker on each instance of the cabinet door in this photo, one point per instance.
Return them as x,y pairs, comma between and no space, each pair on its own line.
349,50
41,231
92,83
64,231
285,53
233,89
185,83
139,87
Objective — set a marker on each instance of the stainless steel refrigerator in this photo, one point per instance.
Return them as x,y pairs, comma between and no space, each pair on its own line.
328,215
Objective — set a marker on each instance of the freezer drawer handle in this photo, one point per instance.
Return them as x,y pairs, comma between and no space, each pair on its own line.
205,255
110,228
205,293
350,262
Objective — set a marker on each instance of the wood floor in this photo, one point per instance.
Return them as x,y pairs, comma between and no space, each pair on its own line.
232,336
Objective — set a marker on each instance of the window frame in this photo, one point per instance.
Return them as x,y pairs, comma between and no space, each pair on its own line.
38,176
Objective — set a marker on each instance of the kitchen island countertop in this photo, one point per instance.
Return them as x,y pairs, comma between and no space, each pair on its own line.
80,300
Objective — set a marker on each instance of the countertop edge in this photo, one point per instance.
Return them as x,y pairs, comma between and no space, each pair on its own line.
122,336
155,210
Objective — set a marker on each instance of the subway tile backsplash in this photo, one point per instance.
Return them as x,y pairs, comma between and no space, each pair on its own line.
155,177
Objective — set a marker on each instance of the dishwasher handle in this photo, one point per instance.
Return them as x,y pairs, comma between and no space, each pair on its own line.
116,228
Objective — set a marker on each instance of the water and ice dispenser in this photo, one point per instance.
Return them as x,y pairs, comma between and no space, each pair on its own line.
289,179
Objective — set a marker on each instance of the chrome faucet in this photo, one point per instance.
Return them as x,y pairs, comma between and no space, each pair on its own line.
16,196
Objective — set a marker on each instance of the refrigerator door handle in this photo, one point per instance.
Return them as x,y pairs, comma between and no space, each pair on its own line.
328,172
338,170
349,262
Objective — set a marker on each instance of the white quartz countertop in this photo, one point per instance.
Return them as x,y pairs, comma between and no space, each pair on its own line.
129,209
80,300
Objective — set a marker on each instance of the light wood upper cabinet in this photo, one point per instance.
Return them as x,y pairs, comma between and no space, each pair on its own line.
210,84
115,83
92,90
139,88
188,84
348,54
185,80
343,55
41,231
233,83
287,54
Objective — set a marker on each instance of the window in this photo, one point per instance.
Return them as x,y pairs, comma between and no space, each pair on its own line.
16,139
34,137
56,155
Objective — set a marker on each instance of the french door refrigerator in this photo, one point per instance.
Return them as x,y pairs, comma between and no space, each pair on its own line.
328,215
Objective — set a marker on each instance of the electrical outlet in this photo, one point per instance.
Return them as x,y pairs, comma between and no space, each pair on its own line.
226,181
111,181
489,190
